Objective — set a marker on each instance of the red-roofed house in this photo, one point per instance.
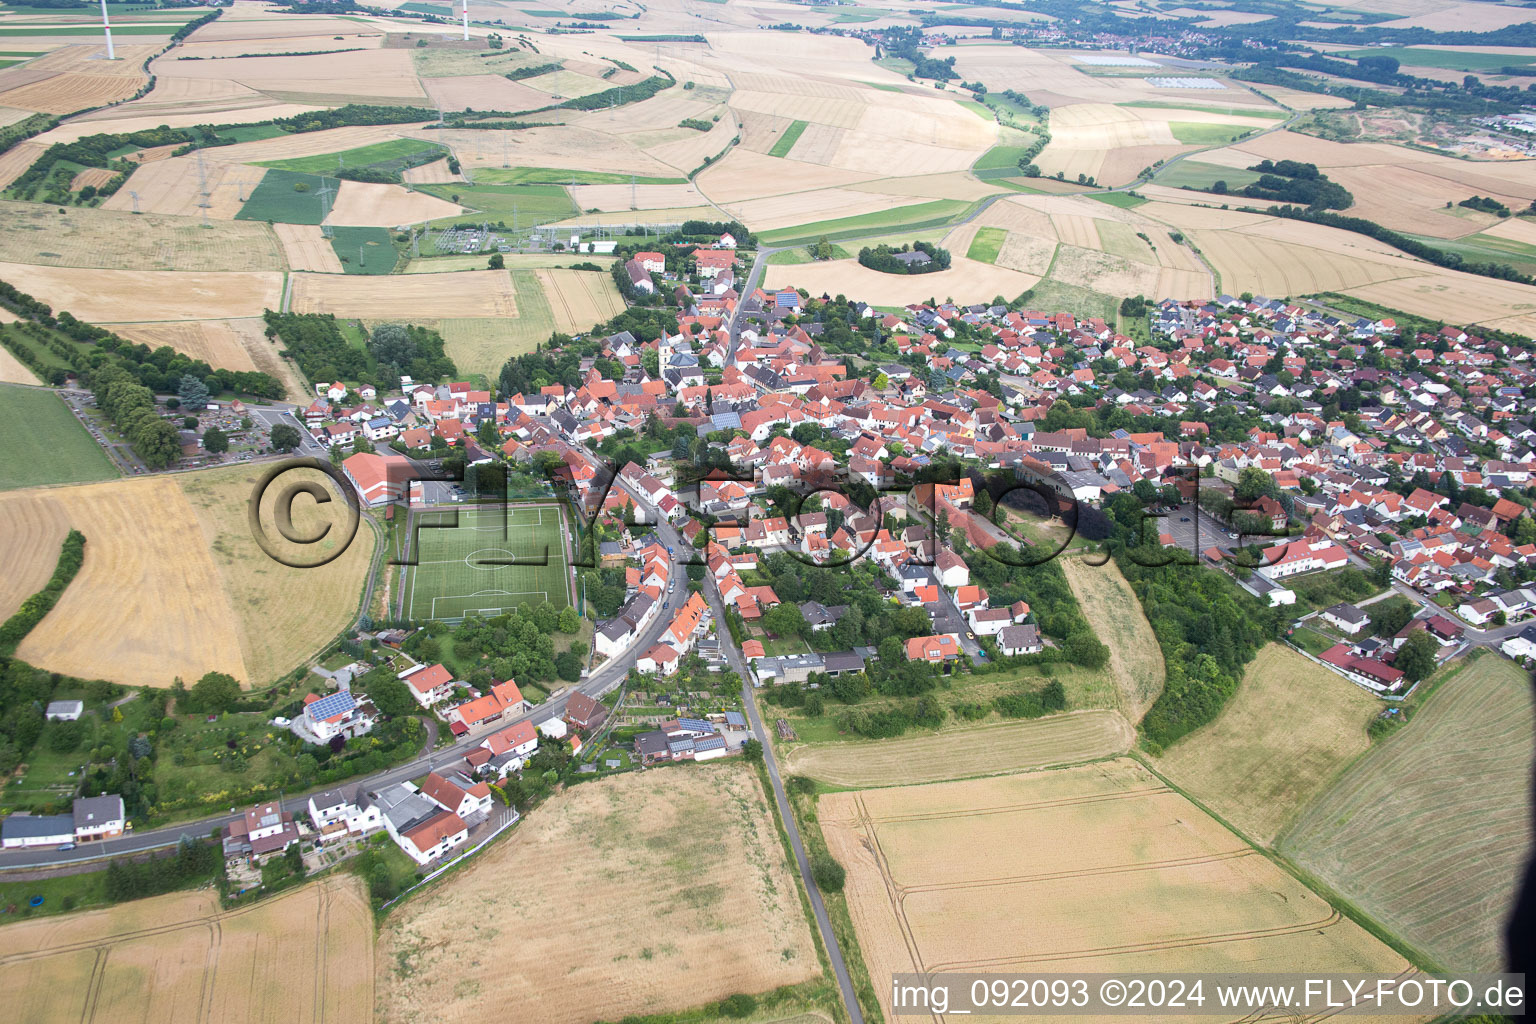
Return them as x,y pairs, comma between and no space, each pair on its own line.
935,649
429,684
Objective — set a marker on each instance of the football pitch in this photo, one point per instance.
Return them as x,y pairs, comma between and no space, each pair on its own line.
486,561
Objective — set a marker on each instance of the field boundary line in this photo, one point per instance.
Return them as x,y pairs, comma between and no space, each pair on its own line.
1408,952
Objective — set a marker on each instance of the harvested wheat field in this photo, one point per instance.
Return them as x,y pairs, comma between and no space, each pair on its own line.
640,197
151,602
475,293
434,173
1457,298
1278,743
307,248
95,177
174,186
580,299
959,751
13,371
1112,609
305,954
131,295
484,92
283,614
73,77
378,75
17,159
29,548
1429,831
361,204
114,240
693,853
965,281
1035,872
239,344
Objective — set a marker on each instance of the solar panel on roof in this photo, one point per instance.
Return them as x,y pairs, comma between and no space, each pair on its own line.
335,704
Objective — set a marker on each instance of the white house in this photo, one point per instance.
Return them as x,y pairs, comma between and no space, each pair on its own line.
429,683
1522,644
457,792
1346,618
64,710
434,837
98,817
1023,639
335,812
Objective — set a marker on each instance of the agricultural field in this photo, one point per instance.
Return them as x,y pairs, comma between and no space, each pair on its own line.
303,954
394,155
1434,855
410,297
580,299
986,244
525,205
235,344
1278,744
959,751
282,615
45,443
1113,610
720,905
102,296
203,596
153,603
14,371
487,562
116,240
307,248
1035,872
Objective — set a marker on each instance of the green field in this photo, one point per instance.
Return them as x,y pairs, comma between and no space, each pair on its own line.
937,213
396,154
1390,822
277,198
561,176
1124,200
1197,133
802,254
987,244
1053,295
365,250
1482,248
45,444
420,8
487,562
1450,60
1244,111
856,17
787,141
1200,175
532,204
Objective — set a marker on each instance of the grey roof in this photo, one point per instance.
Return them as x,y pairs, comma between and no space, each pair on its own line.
404,807
843,661
38,826
1346,613
651,743
329,799
65,707
97,810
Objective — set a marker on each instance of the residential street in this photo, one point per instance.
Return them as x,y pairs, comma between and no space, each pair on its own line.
818,907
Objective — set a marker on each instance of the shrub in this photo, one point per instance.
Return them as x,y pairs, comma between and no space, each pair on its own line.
827,872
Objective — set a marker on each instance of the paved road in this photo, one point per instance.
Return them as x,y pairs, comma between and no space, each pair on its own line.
818,907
